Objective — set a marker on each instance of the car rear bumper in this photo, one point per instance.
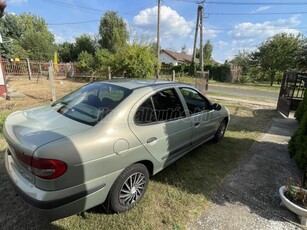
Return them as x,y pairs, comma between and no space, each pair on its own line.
59,206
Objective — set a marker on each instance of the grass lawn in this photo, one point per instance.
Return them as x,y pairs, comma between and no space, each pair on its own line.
240,98
247,86
175,197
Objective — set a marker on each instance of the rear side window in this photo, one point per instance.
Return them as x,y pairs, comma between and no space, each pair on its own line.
163,106
145,113
91,103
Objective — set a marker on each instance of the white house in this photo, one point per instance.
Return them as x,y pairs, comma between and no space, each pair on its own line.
174,58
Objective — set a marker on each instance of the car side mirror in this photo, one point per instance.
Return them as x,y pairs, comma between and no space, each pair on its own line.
216,106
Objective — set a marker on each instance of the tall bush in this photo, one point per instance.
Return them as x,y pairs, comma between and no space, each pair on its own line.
302,108
85,62
298,142
219,72
134,61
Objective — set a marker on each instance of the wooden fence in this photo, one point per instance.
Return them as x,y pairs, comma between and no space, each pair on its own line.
35,69
28,68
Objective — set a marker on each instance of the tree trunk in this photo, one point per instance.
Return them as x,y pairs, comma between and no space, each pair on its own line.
305,178
272,77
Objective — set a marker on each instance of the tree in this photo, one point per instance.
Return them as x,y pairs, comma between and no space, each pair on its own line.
302,57
85,62
207,53
242,59
278,53
30,37
9,29
103,59
85,42
184,49
38,46
113,32
207,50
67,52
136,61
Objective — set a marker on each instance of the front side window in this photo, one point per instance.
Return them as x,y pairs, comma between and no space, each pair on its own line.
195,101
163,106
91,103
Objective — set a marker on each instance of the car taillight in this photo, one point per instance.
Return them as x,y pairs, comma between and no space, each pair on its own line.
41,167
48,168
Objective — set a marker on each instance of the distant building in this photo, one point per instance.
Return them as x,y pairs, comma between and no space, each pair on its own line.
168,57
171,57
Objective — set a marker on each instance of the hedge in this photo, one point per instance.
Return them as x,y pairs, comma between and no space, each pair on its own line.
302,108
298,142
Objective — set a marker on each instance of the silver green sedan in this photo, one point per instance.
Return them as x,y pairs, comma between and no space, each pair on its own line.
101,143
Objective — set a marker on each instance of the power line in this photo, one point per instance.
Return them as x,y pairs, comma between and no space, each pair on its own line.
261,29
259,3
71,23
252,14
213,13
246,3
139,8
74,6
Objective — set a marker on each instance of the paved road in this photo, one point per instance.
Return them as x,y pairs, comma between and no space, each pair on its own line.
244,92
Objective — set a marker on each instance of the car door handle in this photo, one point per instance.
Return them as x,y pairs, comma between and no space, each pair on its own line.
152,139
197,124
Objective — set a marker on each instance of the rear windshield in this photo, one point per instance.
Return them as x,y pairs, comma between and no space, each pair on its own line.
91,103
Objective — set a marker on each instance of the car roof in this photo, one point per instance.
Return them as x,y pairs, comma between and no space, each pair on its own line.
137,83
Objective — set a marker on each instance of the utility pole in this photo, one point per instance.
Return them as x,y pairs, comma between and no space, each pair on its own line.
199,23
158,39
201,38
195,37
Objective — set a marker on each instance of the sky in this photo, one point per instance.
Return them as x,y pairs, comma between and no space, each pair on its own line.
230,25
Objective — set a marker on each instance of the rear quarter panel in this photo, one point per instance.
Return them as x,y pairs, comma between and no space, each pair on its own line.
92,155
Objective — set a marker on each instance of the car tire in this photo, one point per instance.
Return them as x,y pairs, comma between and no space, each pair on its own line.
129,188
220,132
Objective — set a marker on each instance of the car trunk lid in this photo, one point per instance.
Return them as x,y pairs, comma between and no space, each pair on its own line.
25,131
33,128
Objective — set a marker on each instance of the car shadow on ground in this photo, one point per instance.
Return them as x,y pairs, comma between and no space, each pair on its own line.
14,212
255,177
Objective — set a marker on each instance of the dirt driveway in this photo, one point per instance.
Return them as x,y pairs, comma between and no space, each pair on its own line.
249,198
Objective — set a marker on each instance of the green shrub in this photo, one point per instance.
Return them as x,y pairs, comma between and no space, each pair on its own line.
135,61
298,142
302,108
2,119
219,73
85,62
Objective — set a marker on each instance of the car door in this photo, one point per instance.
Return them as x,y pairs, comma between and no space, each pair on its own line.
161,125
203,117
